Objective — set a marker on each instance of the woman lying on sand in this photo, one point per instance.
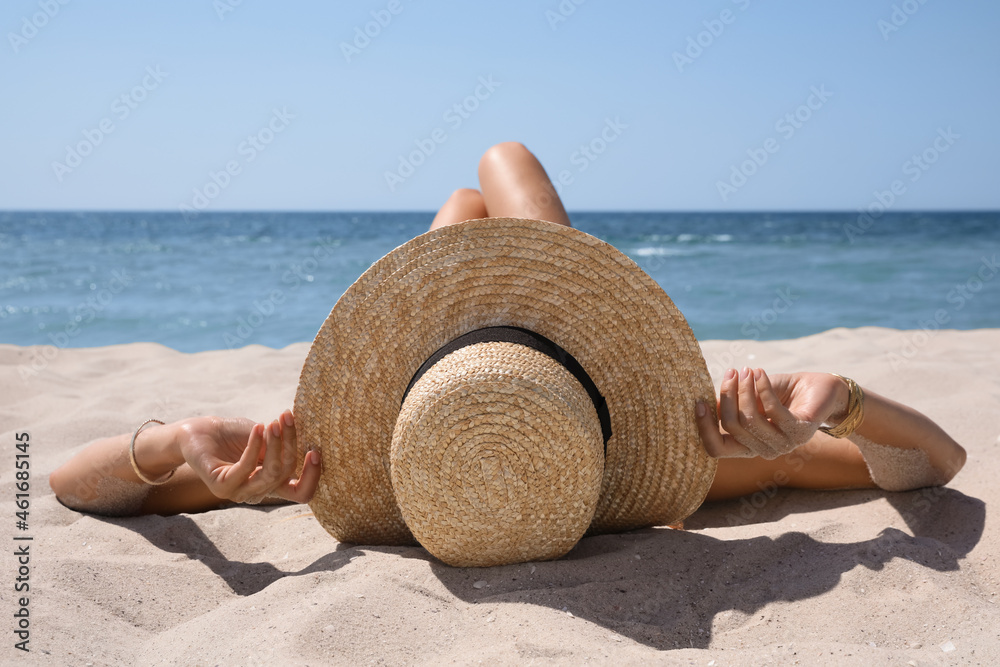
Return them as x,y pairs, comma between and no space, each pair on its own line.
770,425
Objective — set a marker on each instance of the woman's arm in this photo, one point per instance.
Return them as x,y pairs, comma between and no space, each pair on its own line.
895,446
903,448
215,460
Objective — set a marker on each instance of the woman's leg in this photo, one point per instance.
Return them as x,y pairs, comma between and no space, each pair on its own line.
463,204
515,185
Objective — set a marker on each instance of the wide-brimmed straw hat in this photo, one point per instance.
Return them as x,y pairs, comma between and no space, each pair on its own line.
498,388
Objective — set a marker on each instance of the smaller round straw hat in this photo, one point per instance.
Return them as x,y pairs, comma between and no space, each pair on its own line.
497,389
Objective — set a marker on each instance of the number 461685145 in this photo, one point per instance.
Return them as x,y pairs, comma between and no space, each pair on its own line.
22,465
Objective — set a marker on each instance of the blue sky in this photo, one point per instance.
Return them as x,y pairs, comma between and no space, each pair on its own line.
640,105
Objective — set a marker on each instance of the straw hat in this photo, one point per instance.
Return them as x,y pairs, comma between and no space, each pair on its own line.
570,409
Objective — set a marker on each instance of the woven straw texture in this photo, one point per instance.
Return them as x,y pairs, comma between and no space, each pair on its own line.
562,283
497,457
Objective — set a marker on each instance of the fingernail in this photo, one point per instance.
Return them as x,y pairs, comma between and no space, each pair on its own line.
275,428
315,456
744,373
287,418
699,409
757,373
730,374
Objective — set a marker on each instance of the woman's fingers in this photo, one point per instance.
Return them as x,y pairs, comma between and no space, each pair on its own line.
301,490
251,478
729,402
271,465
273,475
773,407
716,443
754,420
740,416
242,469
289,444
231,481
729,414
772,440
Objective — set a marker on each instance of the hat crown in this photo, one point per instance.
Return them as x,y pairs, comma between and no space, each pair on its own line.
497,457
566,286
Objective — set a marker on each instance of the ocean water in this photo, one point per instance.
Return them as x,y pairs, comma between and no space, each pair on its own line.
231,279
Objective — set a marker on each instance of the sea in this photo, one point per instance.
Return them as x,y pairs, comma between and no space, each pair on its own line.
226,280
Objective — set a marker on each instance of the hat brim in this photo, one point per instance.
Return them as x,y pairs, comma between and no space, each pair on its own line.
576,290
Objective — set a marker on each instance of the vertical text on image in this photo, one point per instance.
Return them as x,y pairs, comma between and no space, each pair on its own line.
22,547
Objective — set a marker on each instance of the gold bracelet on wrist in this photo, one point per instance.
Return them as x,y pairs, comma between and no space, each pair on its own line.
855,411
135,466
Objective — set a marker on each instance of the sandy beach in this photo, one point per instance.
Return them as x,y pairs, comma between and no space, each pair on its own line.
856,578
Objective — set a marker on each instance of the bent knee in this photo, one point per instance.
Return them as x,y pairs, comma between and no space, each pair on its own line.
505,151
467,195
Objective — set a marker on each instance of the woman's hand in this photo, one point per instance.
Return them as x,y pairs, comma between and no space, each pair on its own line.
242,461
768,417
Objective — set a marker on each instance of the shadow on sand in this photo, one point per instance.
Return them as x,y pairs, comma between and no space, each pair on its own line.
180,534
659,587
668,596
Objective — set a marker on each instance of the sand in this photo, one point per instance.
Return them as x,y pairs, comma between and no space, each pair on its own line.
860,577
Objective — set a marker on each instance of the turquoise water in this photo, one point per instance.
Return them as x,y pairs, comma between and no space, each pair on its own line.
232,279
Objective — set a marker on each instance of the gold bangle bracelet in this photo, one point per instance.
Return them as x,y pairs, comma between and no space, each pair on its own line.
855,411
135,466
